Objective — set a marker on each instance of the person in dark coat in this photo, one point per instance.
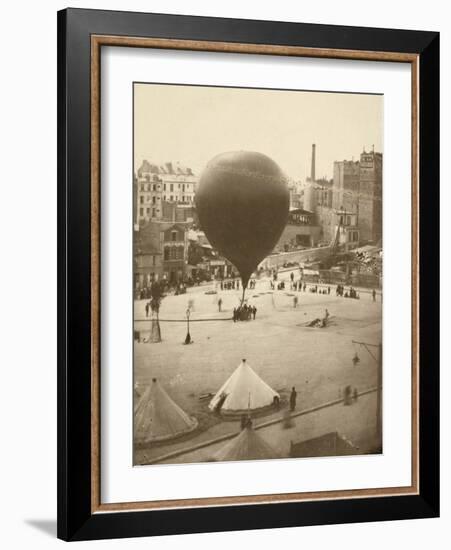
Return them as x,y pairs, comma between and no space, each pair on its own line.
147,309
254,312
293,396
374,295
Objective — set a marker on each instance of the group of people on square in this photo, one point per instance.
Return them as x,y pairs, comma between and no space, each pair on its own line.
233,284
244,313
351,293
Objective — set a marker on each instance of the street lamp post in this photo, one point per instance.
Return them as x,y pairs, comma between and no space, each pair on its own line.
188,336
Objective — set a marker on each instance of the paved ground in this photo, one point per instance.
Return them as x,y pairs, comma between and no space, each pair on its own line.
356,422
278,346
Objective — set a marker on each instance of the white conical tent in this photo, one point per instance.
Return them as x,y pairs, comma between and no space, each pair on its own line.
158,417
243,391
248,445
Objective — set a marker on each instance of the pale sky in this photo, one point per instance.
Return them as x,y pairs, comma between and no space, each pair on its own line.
192,124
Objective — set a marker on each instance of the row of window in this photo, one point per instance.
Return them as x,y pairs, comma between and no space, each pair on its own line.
155,187
173,253
171,198
147,210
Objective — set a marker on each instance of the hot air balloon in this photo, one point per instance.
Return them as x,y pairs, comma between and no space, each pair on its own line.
242,202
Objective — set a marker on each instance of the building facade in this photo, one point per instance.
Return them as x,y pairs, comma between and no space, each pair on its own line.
160,252
370,197
346,185
158,183
358,188
346,229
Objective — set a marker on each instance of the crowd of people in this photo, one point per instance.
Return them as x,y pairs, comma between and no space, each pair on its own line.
232,284
351,293
244,313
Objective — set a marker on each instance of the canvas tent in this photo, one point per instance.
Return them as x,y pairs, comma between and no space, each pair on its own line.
243,391
158,417
248,445
329,444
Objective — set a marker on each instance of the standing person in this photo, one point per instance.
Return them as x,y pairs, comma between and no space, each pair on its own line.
328,290
374,295
305,287
293,396
295,302
292,276
219,304
254,312
147,309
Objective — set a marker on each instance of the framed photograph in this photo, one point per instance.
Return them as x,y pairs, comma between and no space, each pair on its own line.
248,274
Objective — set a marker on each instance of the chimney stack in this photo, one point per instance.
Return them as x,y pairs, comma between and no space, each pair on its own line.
312,173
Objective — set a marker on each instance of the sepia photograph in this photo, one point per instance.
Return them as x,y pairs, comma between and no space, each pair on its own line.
257,273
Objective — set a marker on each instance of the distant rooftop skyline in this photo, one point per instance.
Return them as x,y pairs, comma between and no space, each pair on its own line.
192,124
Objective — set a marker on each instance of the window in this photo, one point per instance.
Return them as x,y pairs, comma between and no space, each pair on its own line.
166,253
141,199
172,188
153,261
173,253
180,253
174,236
148,210
153,212
154,200
183,187
154,187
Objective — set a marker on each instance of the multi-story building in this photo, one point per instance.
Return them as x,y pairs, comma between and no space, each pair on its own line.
370,197
294,189
346,185
158,183
358,188
160,250
346,230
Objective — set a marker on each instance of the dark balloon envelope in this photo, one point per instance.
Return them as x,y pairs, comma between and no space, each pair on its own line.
243,202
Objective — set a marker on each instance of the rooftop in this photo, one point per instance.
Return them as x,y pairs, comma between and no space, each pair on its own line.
173,168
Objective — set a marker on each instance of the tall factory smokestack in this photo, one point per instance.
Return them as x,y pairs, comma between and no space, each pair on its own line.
312,173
